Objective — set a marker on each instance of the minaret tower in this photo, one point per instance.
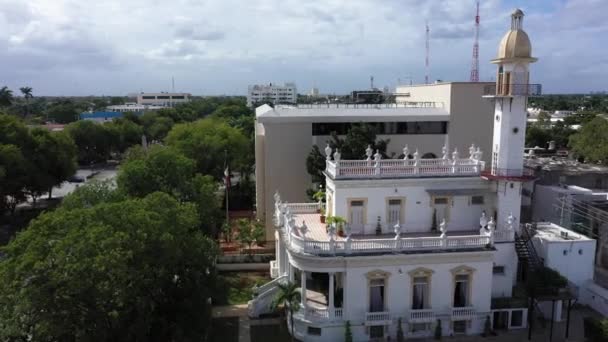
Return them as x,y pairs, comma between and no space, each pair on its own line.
511,96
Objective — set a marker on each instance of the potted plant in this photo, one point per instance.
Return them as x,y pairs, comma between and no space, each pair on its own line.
378,227
339,222
319,196
322,212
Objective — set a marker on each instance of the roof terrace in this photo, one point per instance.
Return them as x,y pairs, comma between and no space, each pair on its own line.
408,167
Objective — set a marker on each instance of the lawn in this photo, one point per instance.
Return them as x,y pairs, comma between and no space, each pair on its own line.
236,287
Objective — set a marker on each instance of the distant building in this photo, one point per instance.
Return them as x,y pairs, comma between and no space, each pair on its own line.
133,107
313,92
276,94
100,117
367,96
162,99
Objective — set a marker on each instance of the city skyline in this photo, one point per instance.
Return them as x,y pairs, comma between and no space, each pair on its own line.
219,47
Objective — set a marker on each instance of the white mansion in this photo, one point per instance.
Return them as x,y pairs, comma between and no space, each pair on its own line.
426,241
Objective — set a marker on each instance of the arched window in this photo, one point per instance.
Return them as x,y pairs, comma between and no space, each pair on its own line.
429,155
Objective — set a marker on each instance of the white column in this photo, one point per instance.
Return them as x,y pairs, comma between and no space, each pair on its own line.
303,285
331,295
291,275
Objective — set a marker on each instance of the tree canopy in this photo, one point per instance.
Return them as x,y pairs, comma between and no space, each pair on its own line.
210,142
134,270
93,140
591,141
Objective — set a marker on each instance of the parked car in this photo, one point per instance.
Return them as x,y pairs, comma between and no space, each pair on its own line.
76,179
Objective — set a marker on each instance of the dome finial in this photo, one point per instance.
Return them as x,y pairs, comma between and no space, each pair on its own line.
517,19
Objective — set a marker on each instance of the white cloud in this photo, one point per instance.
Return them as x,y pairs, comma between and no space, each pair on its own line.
220,46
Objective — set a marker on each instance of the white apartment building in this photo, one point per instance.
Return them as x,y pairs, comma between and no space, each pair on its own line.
452,114
274,93
427,242
133,108
162,99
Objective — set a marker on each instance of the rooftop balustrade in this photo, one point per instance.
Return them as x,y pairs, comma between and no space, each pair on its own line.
414,166
303,233
505,90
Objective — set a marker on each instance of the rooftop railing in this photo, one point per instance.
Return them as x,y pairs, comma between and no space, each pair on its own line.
512,90
401,104
375,167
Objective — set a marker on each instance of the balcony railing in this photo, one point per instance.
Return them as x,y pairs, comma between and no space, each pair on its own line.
513,90
422,316
524,173
462,313
323,314
400,104
274,269
377,317
393,168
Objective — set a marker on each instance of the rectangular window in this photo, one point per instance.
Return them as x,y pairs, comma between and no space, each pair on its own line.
517,318
418,327
460,327
356,203
441,200
180,97
477,200
376,331
498,270
314,331
461,291
420,293
149,97
390,127
163,97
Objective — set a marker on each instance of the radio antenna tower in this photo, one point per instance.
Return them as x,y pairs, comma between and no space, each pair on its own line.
475,63
426,60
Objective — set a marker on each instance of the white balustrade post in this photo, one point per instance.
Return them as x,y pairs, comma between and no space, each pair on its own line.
332,239
369,152
406,152
397,230
347,243
331,296
510,221
303,287
472,151
377,158
454,160
444,238
483,222
416,161
491,227
337,157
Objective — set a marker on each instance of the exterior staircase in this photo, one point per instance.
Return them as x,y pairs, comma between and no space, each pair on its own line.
263,297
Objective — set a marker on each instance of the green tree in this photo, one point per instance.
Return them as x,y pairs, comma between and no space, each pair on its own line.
64,111
53,161
126,132
210,142
250,232
162,169
13,177
91,194
400,336
348,334
165,169
94,141
6,97
289,297
591,141
352,146
27,95
537,136
136,270
156,126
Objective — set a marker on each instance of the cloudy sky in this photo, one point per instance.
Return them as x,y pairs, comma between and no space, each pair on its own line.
211,47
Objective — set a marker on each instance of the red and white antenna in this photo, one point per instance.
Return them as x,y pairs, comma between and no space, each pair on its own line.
475,63
426,60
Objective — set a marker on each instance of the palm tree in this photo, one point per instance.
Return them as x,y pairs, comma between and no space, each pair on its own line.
289,296
27,94
6,97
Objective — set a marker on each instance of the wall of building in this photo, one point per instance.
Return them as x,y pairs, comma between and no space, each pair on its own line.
462,215
572,259
502,284
595,296
471,118
285,147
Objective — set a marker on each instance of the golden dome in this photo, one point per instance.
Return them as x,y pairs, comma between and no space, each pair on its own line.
516,43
